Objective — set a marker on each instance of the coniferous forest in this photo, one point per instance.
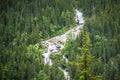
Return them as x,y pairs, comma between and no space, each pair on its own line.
93,55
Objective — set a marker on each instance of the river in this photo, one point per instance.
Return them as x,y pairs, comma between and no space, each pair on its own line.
56,44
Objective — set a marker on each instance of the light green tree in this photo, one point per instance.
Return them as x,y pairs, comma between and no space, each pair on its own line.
85,60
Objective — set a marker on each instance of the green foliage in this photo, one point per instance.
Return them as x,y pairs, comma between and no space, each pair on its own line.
41,76
21,27
86,60
55,56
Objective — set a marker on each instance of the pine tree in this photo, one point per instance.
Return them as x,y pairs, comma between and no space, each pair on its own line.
85,58
85,61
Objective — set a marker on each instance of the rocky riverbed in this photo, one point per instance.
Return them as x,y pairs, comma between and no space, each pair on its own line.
56,44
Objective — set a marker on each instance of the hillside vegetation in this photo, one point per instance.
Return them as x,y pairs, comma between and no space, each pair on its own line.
93,55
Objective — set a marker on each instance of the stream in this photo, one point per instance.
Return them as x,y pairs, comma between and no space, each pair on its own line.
56,44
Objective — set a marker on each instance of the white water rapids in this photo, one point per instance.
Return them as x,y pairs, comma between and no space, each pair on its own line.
55,44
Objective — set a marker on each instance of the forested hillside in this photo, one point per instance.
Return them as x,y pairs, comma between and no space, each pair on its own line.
98,57
93,55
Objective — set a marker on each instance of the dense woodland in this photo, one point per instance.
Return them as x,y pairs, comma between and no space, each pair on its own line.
94,55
